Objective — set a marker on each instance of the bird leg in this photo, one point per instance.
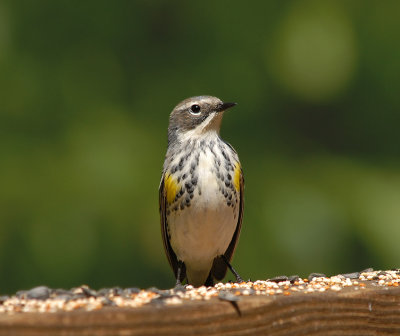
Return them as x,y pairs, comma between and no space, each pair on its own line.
180,273
236,274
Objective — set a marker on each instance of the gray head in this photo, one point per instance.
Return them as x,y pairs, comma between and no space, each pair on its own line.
196,115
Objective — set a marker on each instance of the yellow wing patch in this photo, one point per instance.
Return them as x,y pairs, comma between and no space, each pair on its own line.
236,177
171,187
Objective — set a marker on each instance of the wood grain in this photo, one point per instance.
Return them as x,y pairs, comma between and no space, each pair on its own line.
374,310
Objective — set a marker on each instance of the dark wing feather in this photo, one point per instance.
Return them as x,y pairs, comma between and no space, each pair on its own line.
173,261
219,266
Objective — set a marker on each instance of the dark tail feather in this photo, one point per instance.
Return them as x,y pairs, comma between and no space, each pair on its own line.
210,281
219,268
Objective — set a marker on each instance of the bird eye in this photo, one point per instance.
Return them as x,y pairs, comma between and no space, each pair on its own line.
195,109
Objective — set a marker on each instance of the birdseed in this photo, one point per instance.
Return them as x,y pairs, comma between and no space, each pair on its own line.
45,300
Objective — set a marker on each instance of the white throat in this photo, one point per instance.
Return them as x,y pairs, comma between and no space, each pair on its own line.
208,128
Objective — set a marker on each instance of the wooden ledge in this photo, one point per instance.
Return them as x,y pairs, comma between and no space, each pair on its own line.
374,310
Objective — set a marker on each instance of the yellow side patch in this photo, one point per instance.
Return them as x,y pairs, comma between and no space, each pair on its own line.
236,177
171,187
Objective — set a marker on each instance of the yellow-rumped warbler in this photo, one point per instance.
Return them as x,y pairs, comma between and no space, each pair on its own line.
201,193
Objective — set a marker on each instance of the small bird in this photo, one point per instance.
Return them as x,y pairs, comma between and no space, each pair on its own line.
201,193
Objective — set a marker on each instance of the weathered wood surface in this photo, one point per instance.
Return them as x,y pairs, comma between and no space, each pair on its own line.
374,310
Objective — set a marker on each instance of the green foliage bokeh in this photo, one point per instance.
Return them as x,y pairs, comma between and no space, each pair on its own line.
86,89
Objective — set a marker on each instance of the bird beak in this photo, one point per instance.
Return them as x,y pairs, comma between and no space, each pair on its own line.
225,106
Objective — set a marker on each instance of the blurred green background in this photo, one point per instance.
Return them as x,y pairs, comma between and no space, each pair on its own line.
86,88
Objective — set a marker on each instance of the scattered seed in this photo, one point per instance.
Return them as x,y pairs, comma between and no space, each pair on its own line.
44,299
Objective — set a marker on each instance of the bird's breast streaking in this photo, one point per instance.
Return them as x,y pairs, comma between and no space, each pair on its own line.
187,175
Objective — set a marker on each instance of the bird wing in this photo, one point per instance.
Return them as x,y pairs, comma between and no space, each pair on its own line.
173,260
219,266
